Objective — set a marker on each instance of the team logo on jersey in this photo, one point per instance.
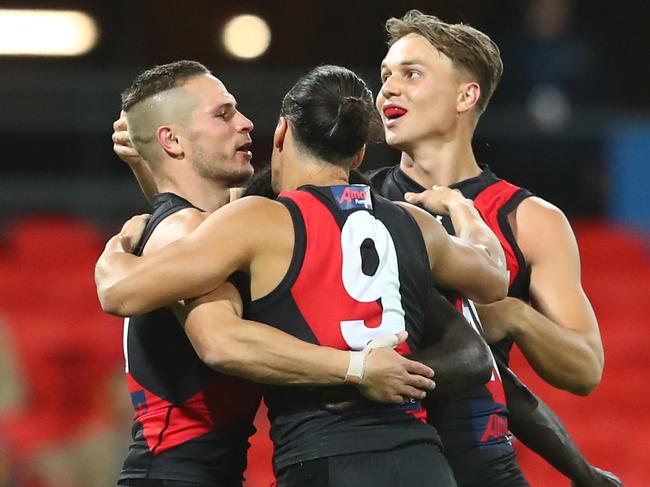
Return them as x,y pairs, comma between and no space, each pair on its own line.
352,197
139,400
496,429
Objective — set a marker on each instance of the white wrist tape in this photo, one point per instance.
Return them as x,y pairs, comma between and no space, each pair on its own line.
356,367
357,364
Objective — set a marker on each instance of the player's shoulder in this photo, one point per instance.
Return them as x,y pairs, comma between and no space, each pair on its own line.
435,237
174,227
253,205
535,211
254,214
541,227
431,229
186,220
416,212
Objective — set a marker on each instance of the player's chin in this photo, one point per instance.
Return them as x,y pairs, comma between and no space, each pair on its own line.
242,160
394,139
240,174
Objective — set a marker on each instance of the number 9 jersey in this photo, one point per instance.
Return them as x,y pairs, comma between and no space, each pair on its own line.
359,269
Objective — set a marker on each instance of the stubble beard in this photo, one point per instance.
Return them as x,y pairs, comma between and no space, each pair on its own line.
230,172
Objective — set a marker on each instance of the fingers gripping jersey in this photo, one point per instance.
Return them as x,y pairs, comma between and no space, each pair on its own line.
190,423
359,270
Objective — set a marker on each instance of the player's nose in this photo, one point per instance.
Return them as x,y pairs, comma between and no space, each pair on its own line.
390,87
245,124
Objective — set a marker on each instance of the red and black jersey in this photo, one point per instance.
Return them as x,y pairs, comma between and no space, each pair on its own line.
191,423
495,199
359,270
479,418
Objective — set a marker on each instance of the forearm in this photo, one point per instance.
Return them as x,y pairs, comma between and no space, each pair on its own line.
184,269
539,428
461,361
261,353
563,357
128,285
124,149
470,227
111,266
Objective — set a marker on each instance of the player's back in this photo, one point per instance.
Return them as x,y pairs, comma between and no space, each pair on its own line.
186,425
359,270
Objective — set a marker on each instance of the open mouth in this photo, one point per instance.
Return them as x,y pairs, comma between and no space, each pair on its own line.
246,147
393,112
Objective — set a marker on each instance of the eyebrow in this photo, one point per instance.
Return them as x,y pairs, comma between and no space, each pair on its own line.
408,62
227,104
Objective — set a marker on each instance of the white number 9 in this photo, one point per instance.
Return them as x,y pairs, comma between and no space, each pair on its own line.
383,284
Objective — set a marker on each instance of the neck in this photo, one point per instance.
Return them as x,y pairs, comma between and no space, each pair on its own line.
318,174
440,161
207,194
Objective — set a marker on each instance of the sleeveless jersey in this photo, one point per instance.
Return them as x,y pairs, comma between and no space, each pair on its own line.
191,423
359,270
478,418
495,199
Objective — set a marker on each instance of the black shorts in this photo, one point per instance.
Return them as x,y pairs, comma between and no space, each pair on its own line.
421,465
486,466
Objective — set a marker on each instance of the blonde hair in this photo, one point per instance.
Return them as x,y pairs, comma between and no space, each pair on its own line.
468,48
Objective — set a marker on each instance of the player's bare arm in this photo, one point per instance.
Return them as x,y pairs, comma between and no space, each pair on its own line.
559,336
460,357
539,428
261,353
124,149
467,221
461,265
198,263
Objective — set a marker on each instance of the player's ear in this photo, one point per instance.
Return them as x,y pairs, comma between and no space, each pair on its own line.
468,96
169,141
280,133
358,157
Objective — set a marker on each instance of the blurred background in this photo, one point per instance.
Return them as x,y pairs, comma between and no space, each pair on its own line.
570,121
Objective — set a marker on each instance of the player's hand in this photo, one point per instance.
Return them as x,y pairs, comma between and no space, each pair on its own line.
601,478
497,318
131,232
437,200
111,263
122,145
389,377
